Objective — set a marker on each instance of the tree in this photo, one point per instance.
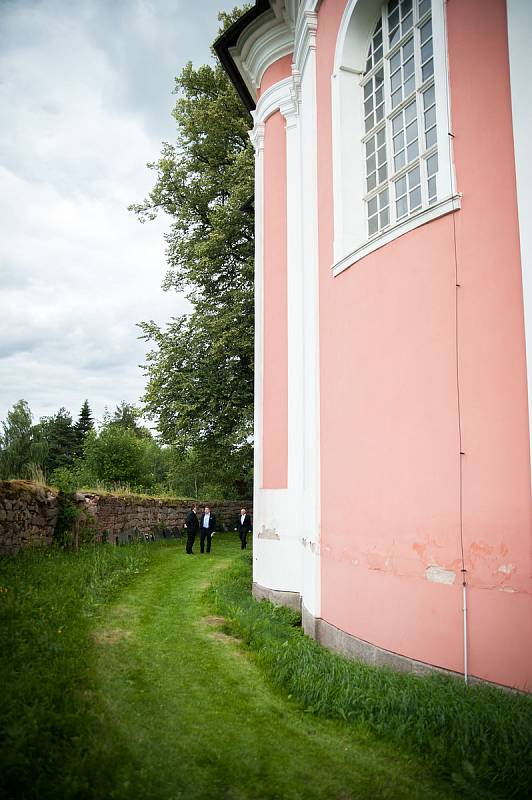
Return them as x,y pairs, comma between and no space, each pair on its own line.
83,426
200,373
59,433
116,456
22,448
127,415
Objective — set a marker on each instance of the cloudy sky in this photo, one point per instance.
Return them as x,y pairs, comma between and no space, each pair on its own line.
85,101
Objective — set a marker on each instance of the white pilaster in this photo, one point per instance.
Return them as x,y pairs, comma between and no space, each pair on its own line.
520,56
305,62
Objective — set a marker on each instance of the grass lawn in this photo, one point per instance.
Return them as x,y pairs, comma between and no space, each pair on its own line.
119,683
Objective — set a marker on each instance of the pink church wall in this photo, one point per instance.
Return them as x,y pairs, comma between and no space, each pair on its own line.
275,372
390,488
282,68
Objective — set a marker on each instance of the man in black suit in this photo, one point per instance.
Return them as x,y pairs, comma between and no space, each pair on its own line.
207,526
192,525
243,527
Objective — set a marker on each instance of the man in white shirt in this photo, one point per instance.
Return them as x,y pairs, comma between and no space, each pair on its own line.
207,527
243,527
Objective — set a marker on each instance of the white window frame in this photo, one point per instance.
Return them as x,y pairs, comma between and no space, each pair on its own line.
351,239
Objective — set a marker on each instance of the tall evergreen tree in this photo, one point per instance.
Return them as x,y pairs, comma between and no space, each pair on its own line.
59,433
84,424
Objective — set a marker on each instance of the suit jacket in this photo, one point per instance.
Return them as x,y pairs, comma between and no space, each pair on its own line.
244,527
191,522
212,522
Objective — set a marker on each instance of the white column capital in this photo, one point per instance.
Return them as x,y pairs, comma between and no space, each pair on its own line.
256,134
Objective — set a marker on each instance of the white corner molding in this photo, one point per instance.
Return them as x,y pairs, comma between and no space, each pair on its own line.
305,37
520,57
446,206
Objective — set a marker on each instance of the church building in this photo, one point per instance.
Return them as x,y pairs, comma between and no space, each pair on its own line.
393,202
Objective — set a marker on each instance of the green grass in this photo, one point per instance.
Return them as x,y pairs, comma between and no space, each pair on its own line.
117,684
49,600
477,737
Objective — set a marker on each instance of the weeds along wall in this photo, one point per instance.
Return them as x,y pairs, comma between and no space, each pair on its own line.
29,515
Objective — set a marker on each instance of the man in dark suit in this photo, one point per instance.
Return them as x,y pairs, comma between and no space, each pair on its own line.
243,527
192,525
207,526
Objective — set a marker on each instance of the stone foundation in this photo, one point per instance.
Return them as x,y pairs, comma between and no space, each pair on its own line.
351,647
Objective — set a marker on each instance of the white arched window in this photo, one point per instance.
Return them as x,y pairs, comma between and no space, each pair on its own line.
390,87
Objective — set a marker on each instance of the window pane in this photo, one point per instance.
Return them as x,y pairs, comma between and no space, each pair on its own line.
409,68
430,137
400,187
430,117
432,164
409,86
410,112
372,206
429,97
381,137
426,51
413,178
398,142
401,207
415,199
432,189
383,173
399,160
373,225
426,31
408,49
424,6
412,151
385,217
406,24
372,181
427,70
396,80
370,146
411,132
395,61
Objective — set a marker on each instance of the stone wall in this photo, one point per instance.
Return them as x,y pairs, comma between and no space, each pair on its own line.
28,515
121,519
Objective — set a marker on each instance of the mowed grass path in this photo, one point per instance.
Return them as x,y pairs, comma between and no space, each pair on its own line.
190,715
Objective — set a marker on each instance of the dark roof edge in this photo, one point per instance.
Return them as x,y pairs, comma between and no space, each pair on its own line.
229,39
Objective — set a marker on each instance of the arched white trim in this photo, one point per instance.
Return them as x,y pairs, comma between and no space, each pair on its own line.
267,39
351,240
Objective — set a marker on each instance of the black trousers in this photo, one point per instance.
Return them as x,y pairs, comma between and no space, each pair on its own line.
191,538
243,539
205,534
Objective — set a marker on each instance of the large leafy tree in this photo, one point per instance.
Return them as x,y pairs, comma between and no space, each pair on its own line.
22,448
200,371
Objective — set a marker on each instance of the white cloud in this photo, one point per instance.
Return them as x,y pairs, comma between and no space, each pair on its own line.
85,101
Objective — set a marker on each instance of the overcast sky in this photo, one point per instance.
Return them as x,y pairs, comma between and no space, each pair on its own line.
85,101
